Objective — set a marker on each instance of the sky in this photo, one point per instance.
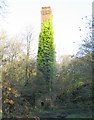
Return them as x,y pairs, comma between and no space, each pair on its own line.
67,16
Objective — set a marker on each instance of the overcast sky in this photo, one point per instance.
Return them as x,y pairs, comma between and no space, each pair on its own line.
67,16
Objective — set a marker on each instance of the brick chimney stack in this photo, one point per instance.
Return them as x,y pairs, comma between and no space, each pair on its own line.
45,13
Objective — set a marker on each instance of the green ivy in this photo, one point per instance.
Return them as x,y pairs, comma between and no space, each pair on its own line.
46,51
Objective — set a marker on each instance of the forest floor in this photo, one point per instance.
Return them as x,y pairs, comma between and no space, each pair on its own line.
61,113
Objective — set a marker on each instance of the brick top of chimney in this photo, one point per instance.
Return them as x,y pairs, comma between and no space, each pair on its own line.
45,13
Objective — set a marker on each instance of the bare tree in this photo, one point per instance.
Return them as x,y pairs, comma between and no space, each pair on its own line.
28,38
3,5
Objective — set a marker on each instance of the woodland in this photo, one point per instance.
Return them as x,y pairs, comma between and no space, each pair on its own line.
38,87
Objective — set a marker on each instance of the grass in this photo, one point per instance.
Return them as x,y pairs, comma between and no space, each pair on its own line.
69,113
79,116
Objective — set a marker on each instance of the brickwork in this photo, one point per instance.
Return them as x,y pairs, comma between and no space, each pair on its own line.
45,13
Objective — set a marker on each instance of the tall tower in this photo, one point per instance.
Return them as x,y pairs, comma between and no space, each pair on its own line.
46,49
45,13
